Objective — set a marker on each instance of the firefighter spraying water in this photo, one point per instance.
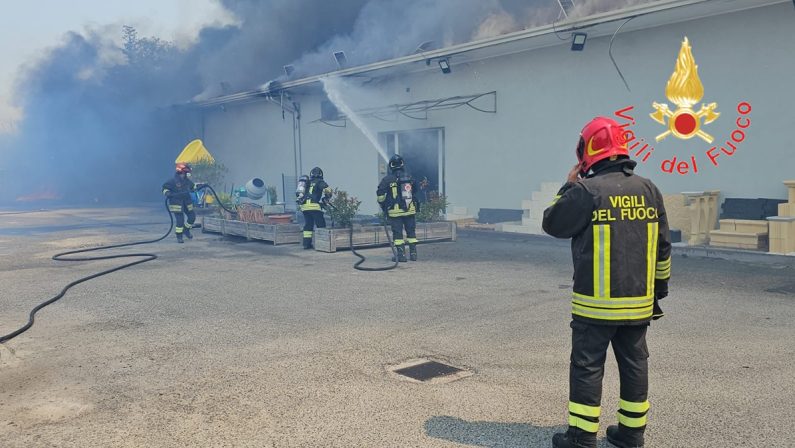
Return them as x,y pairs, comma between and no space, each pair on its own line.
400,205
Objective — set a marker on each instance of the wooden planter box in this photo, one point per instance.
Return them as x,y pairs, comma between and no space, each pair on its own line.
274,233
331,240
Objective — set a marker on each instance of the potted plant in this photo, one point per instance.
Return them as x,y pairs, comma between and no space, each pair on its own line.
433,209
272,195
343,208
272,208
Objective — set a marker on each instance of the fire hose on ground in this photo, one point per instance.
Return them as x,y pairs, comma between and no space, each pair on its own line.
144,257
362,258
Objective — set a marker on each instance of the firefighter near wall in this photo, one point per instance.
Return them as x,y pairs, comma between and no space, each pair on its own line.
400,205
622,263
312,196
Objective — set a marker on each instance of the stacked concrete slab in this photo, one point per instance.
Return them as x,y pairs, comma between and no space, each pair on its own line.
533,210
782,227
749,234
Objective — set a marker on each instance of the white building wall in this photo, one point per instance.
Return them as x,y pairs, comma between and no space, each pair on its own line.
544,97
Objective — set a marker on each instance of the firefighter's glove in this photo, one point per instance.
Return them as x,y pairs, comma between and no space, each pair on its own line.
199,185
657,312
660,289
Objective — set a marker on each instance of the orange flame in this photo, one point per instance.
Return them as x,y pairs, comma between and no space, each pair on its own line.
685,88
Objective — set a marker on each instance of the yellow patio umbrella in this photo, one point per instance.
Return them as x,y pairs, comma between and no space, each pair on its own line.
195,152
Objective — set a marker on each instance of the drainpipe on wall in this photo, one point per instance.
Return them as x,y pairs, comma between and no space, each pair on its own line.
295,110
295,150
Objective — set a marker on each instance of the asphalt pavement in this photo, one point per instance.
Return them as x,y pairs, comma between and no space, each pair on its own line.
223,342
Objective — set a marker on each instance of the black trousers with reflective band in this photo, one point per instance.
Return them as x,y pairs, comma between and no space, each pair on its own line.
312,219
588,353
179,219
409,223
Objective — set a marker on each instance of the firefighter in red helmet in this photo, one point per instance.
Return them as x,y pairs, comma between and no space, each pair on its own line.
178,191
622,263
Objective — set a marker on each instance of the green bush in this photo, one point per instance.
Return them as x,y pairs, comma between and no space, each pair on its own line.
272,195
209,173
343,208
434,208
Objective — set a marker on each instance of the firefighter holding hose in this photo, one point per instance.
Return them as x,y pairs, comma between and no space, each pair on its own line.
178,191
312,195
397,198
622,263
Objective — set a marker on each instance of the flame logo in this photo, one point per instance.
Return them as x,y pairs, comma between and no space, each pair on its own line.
685,89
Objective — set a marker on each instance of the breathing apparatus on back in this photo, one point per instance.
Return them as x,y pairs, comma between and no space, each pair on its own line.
405,186
300,190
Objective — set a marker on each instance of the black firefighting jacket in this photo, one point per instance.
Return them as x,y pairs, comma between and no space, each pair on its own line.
620,243
178,191
390,196
316,191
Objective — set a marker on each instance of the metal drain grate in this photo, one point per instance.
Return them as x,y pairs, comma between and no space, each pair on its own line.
428,371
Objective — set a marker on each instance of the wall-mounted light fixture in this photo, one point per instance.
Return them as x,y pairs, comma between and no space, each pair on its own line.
578,41
444,64
342,61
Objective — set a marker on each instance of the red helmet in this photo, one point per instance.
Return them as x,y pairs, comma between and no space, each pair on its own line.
183,168
600,139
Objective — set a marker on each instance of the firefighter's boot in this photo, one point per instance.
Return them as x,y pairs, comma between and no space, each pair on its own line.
413,252
624,437
307,243
187,233
401,255
179,238
574,438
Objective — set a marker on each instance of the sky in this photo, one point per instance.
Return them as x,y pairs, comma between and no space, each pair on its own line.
29,27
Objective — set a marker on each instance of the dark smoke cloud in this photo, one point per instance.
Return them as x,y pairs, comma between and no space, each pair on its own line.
99,122
391,28
271,34
98,119
387,29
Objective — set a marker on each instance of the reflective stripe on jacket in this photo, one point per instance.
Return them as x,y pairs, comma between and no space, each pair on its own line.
315,193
